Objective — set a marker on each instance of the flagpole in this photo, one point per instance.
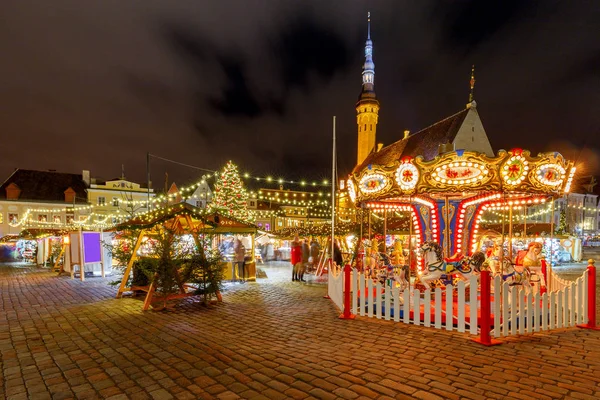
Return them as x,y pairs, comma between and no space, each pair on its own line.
333,164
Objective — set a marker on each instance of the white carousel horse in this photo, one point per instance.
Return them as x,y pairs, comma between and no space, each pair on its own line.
498,260
530,259
436,266
517,277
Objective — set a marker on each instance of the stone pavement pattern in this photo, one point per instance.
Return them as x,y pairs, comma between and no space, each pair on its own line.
62,338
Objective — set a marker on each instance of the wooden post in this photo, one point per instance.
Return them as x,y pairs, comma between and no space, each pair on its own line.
346,314
134,257
81,255
102,254
484,331
62,251
591,271
150,294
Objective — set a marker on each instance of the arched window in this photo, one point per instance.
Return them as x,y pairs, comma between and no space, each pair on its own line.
365,127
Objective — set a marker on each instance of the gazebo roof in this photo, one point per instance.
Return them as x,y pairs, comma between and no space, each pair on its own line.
183,217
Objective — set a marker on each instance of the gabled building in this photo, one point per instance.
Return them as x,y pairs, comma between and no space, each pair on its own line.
117,197
53,200
48,198
202,196
278,209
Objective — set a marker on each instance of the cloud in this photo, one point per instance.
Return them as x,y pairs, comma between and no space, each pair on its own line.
467,24
304,46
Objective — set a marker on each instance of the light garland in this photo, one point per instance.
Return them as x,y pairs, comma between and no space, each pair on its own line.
459,173
515,170
550,174
570,179
407,176
373,183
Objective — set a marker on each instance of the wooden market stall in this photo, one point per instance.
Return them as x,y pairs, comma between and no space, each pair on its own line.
181,219
227,228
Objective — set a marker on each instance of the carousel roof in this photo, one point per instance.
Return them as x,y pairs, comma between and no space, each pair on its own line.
463,174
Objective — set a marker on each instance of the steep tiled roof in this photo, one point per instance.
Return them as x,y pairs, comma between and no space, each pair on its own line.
45,185
422,143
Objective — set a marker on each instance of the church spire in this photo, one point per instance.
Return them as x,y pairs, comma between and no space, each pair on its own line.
368,74
367,107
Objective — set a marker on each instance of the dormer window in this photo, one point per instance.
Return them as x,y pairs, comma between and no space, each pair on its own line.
70,195
13,192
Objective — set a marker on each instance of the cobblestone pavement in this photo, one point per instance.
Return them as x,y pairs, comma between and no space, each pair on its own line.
62,338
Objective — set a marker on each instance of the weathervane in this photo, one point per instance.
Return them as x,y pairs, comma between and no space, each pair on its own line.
472,83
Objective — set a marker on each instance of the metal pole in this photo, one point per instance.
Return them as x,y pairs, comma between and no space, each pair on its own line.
148,179
385,231
333,194
447,227
410,233
551,234
510,232
369,211
525,223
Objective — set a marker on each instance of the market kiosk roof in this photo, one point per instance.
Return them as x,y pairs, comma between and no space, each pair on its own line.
183,217
33,234
226,224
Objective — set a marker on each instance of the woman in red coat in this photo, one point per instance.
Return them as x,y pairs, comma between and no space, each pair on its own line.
296,256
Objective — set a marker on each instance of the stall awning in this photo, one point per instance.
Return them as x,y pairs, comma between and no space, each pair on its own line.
226,224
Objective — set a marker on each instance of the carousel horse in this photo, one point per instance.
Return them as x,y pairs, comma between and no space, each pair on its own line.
530,260
401,271
371,258
517,276
436,265
497,259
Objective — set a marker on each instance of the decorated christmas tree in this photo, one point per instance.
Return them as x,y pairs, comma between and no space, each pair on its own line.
562,228
230,197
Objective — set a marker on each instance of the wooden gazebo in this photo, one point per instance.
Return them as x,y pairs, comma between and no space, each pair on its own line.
181,218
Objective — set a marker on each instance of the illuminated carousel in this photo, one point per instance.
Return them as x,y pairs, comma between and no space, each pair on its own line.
447,196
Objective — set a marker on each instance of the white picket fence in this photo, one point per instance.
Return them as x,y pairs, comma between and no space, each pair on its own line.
518,311
515,310
389,303
335,286
554,282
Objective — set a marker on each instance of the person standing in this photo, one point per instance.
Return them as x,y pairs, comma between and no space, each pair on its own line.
337,254
314,252
296,257
305,257
239,255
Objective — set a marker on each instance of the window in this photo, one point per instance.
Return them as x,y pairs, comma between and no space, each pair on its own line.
260,224
365,127
42,218
69,219
252,203
115,202
13,218
101,201
371,127
56,219
1,218
267,227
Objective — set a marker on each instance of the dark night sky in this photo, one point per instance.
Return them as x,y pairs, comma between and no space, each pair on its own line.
96,84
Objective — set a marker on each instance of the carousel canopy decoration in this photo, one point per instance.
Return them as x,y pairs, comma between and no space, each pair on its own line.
464,172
